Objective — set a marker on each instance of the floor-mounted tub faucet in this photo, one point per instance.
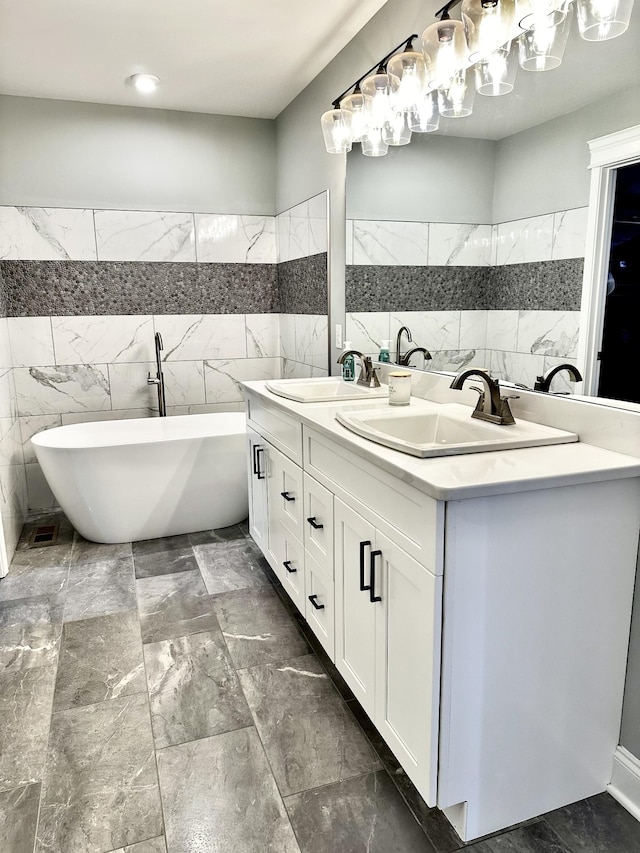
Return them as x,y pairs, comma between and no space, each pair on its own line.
158,379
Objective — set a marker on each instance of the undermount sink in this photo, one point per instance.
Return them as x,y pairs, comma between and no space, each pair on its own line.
447,431
323,390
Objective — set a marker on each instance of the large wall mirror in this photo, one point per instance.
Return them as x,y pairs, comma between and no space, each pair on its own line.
474,237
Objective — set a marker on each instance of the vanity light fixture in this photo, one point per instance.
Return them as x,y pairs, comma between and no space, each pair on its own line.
146,84
407,90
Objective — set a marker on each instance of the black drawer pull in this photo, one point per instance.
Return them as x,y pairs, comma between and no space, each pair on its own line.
312,599
312,521
372,597
287,496
259,472
287,565
363,545
254,454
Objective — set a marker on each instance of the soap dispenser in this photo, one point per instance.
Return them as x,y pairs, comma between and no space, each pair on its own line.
384,352
348,365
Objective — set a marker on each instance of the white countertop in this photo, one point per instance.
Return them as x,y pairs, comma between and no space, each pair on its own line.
467,476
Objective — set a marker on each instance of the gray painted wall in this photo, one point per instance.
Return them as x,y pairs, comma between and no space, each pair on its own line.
68,154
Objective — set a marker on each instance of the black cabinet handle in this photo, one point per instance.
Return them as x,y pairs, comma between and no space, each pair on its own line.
259,472
312,599
255,461
287,496
372,597
312,521
287,565
363,545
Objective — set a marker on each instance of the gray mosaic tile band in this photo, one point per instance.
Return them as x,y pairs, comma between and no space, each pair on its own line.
3,296
63,288
544,285
302,284
404,288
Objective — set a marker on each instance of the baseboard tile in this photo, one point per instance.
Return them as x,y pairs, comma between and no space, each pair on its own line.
625,781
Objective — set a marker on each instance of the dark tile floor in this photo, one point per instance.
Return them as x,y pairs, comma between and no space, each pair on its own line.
166,697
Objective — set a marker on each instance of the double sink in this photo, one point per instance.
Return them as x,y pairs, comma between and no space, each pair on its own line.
427,430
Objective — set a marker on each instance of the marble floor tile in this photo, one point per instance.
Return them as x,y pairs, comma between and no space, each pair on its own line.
533,838
25,714
365,813
19,818
160,546
170,562
101,787
47,557
308,733
218,795
194,691
163,591
236,532
100,658
256,627
96,589
153,845
85,551
596,824
165,620
225,567
22,584
30,630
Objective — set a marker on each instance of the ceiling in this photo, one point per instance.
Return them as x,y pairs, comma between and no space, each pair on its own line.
243,57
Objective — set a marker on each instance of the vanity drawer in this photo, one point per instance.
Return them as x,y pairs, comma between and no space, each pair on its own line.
292,568
318,524
283,431
286,494
319,610
400,511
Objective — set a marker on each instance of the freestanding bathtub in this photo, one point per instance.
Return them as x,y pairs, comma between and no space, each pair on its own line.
121,481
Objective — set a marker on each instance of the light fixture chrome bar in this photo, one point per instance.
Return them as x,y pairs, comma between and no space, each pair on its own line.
405,43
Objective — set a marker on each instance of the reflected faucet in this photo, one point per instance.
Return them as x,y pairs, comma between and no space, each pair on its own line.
158,379
403,330
491,405
406,358
543,383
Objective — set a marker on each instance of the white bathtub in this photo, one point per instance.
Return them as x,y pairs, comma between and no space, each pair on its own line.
121,481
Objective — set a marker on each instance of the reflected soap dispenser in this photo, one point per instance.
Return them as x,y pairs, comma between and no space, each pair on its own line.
384,352
348,365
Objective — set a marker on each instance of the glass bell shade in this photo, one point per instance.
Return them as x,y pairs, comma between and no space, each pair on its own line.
424,117
336,129
373,144
487,25
410,68
599,20
445,50
358,105
532,14
397,131
495,74
542,49
379,88
456,99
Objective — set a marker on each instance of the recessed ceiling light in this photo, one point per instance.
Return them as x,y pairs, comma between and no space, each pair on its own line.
144,83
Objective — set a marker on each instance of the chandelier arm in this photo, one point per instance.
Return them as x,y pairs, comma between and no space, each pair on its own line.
381,64
445,9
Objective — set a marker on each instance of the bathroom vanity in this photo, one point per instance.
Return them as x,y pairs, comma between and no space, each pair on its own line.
478,606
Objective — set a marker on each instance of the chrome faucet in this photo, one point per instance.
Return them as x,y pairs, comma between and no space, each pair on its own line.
368,376
403,330
543,383
158,379
406,358
491,405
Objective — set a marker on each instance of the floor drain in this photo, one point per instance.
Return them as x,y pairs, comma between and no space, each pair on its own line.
44,535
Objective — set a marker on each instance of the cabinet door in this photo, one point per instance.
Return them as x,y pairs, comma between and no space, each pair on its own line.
355,613
408,626
258,497
291,572
286,494
319,607
318,525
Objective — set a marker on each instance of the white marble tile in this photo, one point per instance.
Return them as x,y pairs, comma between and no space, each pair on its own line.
549,333
184,383
502,330
129,388
521,368
30,426
453,361
367,330
206,409
133,235
473,329
65,388
287,336
102,339
283,229
525,240
222,378
570,233
263,335
45,233
194,337
8,396
349,243
299,244
312,342
434,330
31,341
227,238
110,415
39,494
459,245
6,357
390,243
295,369
318,228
